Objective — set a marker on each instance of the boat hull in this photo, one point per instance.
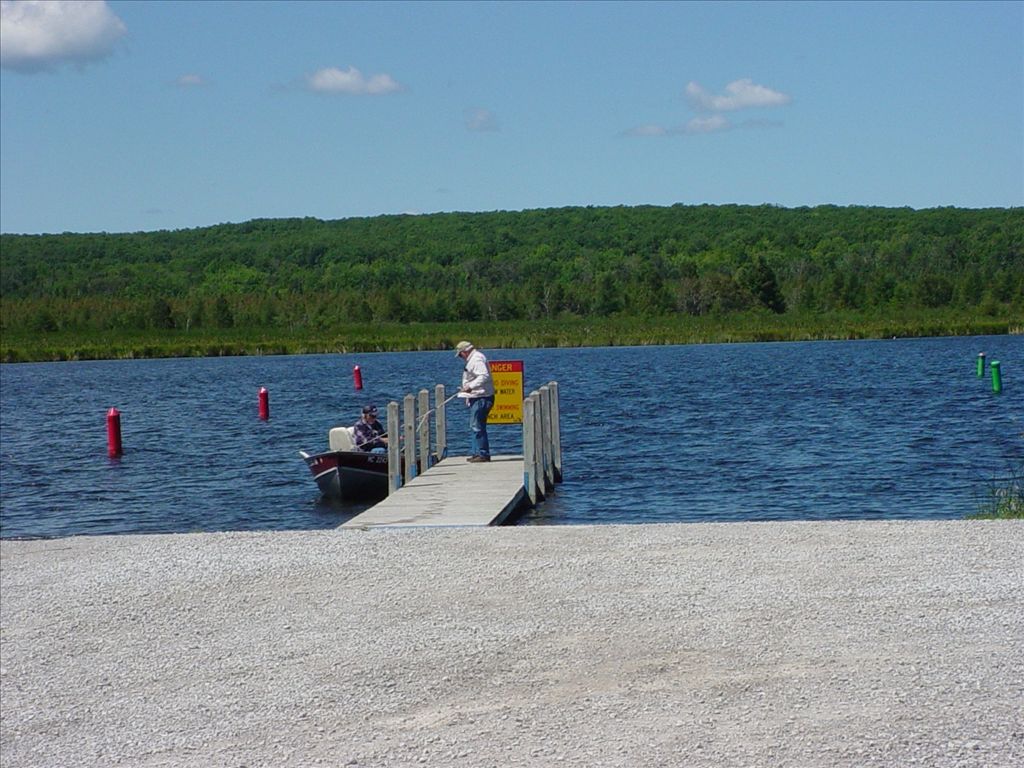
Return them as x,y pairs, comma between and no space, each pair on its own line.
350,475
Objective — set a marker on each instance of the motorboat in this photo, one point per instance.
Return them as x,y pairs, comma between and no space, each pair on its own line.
345,472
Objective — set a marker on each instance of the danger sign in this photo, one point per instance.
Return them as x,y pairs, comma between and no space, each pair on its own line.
507,376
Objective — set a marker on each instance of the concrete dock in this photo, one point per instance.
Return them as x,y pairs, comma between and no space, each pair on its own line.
455,492
452,492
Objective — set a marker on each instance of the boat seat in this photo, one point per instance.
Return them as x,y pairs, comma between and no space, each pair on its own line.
342,439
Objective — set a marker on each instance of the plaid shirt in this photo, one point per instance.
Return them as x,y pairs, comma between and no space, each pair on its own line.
366,435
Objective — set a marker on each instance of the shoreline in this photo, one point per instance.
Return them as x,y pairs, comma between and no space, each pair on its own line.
854,643
578,332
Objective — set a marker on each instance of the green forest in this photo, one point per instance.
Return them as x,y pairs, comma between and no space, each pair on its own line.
551,277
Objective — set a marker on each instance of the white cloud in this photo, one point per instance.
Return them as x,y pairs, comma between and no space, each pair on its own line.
190,81
701,125
481,120
350,81
709,124
36,35
698,125
739,94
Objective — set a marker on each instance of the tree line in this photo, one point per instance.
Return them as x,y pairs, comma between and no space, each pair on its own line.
638,262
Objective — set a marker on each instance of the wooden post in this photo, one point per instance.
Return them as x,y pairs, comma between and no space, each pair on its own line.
538,445
439,421
394,454
545,419
556,433
424,430
529,467
409,434
542,456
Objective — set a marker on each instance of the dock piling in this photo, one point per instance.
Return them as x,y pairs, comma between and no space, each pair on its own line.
529,446
423,426
394,453
409,435
440,423
556,433
538,443
545,420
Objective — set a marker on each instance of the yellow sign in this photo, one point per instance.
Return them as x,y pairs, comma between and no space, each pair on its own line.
507,376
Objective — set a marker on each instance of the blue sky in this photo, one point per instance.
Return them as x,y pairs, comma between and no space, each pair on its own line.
126,116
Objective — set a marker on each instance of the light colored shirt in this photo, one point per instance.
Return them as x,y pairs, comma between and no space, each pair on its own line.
476,377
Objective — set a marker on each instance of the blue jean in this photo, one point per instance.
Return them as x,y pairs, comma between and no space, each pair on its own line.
479,407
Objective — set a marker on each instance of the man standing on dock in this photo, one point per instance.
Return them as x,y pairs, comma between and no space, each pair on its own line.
478,391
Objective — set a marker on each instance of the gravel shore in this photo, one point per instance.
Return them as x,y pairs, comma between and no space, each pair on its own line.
760,644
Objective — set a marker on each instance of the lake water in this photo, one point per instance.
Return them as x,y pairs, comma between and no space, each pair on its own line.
782,431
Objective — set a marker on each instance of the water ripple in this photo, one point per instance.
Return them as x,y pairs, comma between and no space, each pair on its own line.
804,431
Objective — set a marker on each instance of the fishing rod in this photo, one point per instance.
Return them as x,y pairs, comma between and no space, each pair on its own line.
427,414
419,423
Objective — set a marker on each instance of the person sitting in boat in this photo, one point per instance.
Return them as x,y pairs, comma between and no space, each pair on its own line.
370,434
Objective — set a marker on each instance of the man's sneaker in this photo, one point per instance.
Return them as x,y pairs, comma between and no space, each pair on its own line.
478,459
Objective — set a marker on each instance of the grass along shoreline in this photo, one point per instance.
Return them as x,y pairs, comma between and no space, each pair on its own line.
20,347
1005,498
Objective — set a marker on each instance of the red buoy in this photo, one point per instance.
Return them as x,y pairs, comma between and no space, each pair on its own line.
114,448
264,403
357,377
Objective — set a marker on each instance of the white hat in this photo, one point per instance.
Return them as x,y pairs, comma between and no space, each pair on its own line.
462,346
